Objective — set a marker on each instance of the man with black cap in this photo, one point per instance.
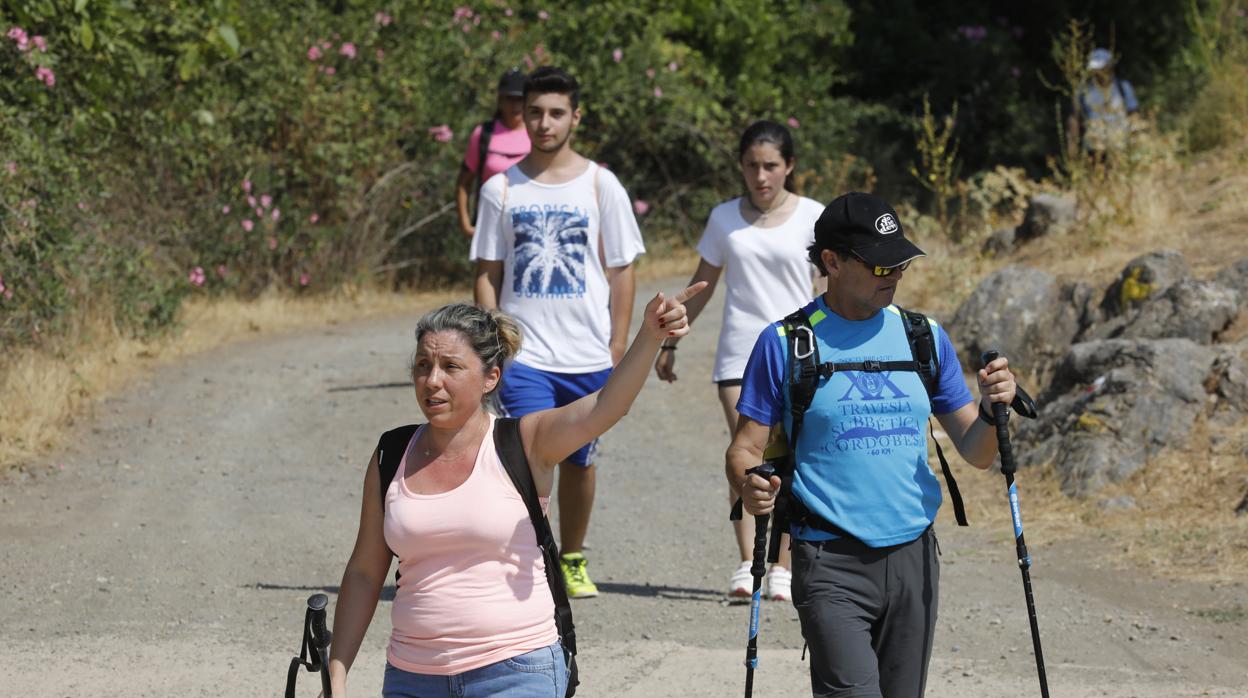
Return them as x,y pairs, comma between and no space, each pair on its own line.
493,146
865,570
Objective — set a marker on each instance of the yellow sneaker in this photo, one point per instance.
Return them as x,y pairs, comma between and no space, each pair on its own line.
576,576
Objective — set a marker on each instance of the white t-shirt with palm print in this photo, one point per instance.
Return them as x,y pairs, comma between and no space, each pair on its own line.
554,240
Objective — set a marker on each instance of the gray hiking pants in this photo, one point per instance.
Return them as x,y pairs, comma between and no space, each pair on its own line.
868,615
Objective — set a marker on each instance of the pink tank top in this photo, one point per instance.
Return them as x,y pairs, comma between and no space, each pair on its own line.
472,582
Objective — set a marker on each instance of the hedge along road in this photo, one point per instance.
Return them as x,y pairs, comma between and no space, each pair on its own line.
170,550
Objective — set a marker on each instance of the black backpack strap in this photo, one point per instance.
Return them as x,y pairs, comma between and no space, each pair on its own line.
511,452
390,449
923,348
483,150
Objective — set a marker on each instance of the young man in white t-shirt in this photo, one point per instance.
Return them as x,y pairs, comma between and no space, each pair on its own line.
554,245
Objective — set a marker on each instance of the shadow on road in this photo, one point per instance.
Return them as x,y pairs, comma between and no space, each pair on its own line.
667,592
387,593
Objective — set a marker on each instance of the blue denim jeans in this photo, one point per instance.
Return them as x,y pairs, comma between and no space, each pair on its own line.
537,674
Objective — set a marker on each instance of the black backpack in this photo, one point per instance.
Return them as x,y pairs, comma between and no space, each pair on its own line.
390,449
483,151
805,370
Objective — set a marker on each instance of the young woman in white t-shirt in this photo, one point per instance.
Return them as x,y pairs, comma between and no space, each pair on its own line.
758,243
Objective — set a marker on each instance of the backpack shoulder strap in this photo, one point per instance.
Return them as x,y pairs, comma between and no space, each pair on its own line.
390,448
803,375
483,150
511,452
923,348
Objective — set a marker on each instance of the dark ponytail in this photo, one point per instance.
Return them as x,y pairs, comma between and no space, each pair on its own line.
766,131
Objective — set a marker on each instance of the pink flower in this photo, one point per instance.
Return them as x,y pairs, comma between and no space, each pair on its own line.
793,122
327,45
18,35
225,210
495,35
466,27
673,66
251,201
650,73
277,215
248,225
314,53
196,277
617,55
381,55
8,294
247,187
266,200
508,12
259,212
1014,71
330,70
40,43
221,270
348,50
314,218
528,62
272,241
45,74
11,167
383,19
441,133
2,287
304,279
543,15
641,207
658,92
82,205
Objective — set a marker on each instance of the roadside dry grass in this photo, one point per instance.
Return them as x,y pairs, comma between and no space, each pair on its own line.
45,392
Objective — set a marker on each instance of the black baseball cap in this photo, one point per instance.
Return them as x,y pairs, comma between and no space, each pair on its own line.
868,227
512,83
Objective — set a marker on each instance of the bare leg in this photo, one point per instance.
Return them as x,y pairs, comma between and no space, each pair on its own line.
576,501
744,529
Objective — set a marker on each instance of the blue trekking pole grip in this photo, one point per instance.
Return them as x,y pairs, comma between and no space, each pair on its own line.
757,570
1001,419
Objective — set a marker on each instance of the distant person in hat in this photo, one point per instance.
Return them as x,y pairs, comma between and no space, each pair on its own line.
493,146
863,499
1107,102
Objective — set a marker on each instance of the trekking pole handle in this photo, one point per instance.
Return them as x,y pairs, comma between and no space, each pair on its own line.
1001,418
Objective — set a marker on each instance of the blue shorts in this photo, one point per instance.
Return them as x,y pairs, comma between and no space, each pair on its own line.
526,389
537,674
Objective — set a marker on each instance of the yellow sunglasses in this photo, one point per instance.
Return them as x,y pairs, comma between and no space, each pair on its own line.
881,271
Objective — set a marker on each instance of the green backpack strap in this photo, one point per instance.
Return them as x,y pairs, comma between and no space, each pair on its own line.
511,452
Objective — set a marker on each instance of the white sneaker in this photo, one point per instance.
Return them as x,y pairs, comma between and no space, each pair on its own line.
779,584
742,583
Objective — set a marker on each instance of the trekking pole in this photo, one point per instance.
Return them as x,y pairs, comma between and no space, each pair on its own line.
1001,416
314,652
757,570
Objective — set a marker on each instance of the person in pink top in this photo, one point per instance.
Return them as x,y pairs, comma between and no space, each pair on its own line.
473,615
506,143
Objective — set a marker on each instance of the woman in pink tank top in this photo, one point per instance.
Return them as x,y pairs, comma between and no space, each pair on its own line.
473,615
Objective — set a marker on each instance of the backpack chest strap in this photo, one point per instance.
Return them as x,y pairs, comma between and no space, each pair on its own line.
826,370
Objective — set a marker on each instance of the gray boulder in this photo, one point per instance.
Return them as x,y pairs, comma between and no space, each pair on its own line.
1235,277
1047,214
1000,243
1227,382
1144,277
1022,312
1196,310
1112,405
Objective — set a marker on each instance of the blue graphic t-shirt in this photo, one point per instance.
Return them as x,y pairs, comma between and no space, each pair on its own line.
862,453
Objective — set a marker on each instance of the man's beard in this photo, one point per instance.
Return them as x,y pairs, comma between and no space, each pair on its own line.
553,147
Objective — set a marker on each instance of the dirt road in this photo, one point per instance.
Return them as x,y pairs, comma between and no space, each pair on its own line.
169,550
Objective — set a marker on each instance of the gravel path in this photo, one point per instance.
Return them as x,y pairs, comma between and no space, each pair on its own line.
169,550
